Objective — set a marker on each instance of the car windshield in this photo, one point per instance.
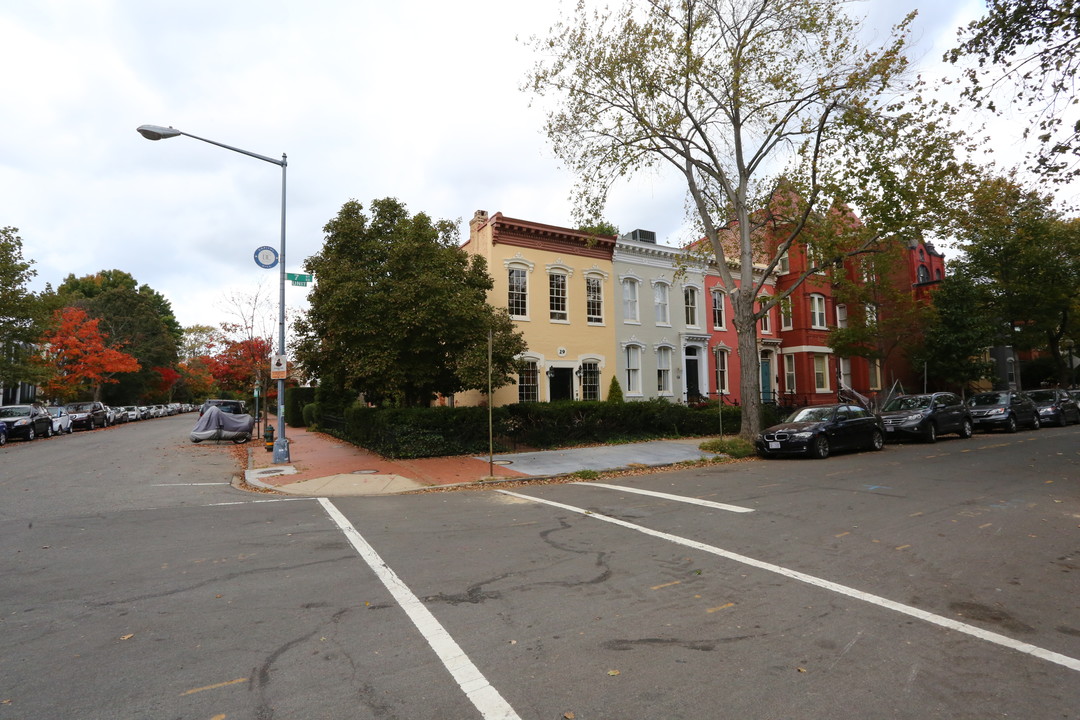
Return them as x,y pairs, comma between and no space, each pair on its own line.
1042,395
16,411
912,402
811,414
55,411
80,407
988,399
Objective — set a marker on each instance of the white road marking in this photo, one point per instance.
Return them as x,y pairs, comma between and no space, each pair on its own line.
949,623
667,496
484,697
186,484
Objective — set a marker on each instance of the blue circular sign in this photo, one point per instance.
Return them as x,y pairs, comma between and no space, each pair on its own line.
266,256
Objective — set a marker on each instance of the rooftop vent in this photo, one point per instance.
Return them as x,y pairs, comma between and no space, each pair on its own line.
645,236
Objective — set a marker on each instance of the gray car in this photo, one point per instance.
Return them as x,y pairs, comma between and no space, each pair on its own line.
1055,406
1004,409
926,416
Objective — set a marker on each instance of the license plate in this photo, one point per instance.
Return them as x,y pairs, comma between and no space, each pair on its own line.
889,428
774,445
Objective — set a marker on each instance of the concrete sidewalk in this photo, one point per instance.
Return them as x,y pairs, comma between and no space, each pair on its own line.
323,466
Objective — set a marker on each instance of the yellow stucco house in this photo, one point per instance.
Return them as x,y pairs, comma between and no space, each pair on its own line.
557,284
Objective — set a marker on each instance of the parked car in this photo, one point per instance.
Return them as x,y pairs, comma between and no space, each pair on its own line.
26,421
118,415
234,407
1005,409
1055,406
61,420
144,412
927,416
87,415
132,413
820,429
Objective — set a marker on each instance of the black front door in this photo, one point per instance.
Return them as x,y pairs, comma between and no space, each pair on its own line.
693,386
562,384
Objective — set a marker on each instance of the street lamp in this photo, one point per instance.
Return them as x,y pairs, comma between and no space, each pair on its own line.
157,132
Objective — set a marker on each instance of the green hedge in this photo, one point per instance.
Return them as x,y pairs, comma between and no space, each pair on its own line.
433,432
295,400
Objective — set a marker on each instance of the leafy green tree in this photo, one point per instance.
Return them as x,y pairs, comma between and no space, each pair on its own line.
958,333
399,312
1026,259
136,319
1030,51
775,116
884,318
23,314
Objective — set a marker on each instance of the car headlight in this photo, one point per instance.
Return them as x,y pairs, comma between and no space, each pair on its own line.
801,435
997,411
913,418
23,421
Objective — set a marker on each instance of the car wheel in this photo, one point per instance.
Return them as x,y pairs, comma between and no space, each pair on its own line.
1036,423
90,424
877,440
819,447
967,429
931,433
30,434
3,439
1010,424
48,430
1061,420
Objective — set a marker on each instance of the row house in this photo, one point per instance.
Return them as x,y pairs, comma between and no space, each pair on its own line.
676,339
593,308
557,285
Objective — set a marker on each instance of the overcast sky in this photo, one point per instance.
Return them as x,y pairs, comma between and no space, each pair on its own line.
416,100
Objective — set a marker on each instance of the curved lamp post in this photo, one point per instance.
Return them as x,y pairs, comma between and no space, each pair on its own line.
157,132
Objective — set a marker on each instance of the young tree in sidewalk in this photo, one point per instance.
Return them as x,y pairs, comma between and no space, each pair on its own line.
731,96
399,312
76,358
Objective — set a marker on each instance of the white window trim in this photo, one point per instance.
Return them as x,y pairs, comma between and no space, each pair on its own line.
518,262
791,377
623,284
600,277
670,392
630,392
815,316
566,295
723,308
657,284
698,294
825,374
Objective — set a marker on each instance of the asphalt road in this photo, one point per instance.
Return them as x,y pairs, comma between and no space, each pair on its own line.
925,581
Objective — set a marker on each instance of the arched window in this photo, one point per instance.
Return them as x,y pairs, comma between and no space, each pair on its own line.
923,274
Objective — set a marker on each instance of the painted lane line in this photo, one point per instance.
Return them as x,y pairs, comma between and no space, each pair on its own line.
667,496
186,484
484,697
948,623
257,502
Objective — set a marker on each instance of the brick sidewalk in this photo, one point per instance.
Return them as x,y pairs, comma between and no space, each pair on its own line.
317,455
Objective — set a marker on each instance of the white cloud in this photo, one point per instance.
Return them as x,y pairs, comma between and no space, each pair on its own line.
419,101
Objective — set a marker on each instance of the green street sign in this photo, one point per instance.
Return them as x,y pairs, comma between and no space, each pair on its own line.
298,279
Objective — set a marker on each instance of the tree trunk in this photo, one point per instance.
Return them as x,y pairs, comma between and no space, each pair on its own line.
749,368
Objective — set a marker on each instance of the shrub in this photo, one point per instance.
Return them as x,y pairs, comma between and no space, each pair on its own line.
734,446
295,400
614,393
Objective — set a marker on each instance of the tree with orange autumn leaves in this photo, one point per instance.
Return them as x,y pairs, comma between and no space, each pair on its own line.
76,359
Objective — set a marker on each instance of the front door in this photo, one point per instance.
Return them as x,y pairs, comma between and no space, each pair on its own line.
693,382
561,385
766,378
